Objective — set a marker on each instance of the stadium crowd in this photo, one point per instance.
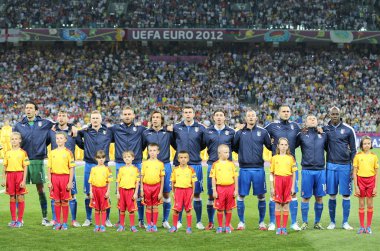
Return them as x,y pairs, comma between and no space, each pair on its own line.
84,79
324,14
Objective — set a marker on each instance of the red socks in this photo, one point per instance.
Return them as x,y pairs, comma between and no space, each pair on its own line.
278,219
369,216
361,217
220,218
189,219
12,207
175,219
285,215
132,219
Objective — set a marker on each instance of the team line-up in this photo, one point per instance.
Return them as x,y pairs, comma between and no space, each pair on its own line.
143,185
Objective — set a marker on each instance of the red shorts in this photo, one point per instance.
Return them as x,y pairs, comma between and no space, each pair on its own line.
151,194
59,191
126,202
98,201
283,188
366,186
226,199
182,199
14,180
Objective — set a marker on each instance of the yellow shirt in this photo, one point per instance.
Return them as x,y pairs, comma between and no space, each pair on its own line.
16,160
183,177
366,164
60,161
100,176
224,172
128,176
283,165
152,171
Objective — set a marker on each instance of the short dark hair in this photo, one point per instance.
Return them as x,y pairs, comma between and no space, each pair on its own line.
188,106
157,112
100,154
284,105
183,152
219,110
32,103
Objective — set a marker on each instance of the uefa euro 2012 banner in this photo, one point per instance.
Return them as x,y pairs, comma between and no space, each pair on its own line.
374,136
167,34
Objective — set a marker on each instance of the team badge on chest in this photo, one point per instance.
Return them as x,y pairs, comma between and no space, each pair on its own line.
319,136
227,133
292,127
134,129
196,129
258,133
342,131
39,123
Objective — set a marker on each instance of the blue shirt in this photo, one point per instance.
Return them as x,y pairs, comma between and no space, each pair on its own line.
249,144
92,141
313,145
36,137
127,137
70,143
190,139
341,143
212,138
284,129
161,137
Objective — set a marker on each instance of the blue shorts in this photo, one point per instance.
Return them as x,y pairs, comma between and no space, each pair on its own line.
198,184
254,176
339,176
74,188
87,171
168,174
313,183
209,180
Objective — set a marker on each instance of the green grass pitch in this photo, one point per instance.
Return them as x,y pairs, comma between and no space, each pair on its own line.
33,236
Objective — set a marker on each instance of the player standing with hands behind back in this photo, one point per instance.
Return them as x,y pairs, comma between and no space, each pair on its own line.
283,167
366,165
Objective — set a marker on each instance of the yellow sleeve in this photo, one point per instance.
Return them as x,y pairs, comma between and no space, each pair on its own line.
118,178
356,161
193,176
235,170
294,165
5,163
376,162
26,160
50,160
109,175
91,178
272,164
172,177
212,172
71,160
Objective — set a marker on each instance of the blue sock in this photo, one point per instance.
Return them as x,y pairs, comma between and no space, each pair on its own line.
293,210
240,210
305,211
332,209
73,208
210,211
140,210
180,216
108,211
43,204
198,209
262,210
346,204
88,209
52,202
318,208
166,210
272,207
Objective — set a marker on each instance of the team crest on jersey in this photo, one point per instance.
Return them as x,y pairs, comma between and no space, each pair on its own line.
104,132
164,133
134,129
258,133
227,133
319,136
39,123
196,129
292,127
342,131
